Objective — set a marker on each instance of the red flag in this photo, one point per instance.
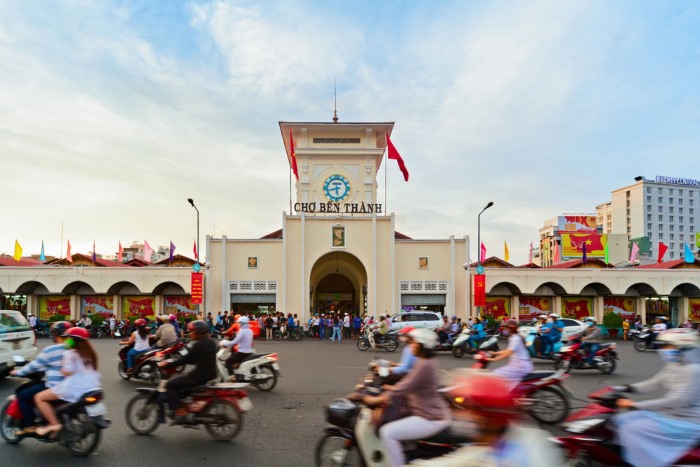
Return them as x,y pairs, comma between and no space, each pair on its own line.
483,251
496,308
295,168
479,290
69,257
662,251
121,251
141,307
59,306
195,250
394,154
577,308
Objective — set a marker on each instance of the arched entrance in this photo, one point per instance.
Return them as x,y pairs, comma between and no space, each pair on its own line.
338,283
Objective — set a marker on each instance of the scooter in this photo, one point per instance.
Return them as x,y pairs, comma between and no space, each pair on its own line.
388,342
83,420
146,364
487,344
591,439
645,340
261,370
571,357
534,344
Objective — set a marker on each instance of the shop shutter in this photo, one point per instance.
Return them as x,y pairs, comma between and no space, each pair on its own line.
423,299
260,298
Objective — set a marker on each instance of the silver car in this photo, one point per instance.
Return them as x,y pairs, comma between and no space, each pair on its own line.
16,339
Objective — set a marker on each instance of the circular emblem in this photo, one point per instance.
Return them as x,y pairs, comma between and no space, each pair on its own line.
196,267
479,269
336,188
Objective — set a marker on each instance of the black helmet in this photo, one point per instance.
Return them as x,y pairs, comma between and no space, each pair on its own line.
198,326
59,327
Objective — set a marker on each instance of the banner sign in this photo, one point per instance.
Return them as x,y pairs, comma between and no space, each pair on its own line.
497,307
694,309
97,304
197,289
479,290
572,245
625,307
138,307
532,307
577,307
53,305
179,304
581,224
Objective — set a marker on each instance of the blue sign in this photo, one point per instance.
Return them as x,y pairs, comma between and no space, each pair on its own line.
479,269
196,267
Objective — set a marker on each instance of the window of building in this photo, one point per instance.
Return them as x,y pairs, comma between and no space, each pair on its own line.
680,218
661,208
672,236
670,218
670,191
670,209
648,199
661,190
649,226
680,200
672,245
661,235
648,189
670,201
680,210
692,220
681,237
690,193
670,227
648,217
690,211
671,255
661,200
649,235
680,228
661,226
680,192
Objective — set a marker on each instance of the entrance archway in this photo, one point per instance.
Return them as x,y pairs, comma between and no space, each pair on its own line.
338,283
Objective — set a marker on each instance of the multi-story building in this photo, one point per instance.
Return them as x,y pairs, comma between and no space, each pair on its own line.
604,217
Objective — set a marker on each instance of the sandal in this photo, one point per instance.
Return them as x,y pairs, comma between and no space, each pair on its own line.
29,430
49,430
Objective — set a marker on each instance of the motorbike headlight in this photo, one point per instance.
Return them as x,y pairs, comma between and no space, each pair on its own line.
566,349
579,426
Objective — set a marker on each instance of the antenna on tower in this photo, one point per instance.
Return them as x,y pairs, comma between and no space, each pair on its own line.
335,102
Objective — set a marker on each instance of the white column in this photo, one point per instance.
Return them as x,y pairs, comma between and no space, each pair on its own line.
598,301
556,305
468,278
117,304
207,264
302,276
451,301
683,305
642,308
373,289
515,307
282,291
75,306
225,292
394,288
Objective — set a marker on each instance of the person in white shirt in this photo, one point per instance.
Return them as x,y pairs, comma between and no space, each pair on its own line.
32,321
112,325
519,364
244,339
346,326
85,321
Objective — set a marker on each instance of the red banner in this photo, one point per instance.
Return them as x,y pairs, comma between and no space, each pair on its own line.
138,307
577,307
479,290
497,307
197,288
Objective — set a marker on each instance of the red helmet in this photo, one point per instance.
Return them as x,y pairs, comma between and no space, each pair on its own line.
406,330
511,323
486,393
59,327
77,333
140,322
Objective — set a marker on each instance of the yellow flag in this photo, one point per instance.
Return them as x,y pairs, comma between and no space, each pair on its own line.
507,254
18,251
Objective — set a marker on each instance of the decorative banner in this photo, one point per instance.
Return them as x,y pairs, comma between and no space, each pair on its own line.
197,288
623,306
102,304
572,245
138,307
53,305
577,307
694,309
180,304
497,307
479,290
532,307
333,297
581,224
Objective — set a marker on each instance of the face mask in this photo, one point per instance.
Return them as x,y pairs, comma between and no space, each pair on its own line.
506,332
69,343
670,355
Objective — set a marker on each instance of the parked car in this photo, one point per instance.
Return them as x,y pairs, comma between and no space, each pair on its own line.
416,319
571,327
16,338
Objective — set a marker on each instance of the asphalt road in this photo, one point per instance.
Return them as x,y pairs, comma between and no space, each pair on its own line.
284,425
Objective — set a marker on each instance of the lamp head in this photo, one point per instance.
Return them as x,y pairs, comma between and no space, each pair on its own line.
489,205
190,201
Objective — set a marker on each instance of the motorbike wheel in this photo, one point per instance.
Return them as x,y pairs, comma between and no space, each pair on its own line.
363,343
122,371
562,364
336,451
268,384
9,426
611,368
458,351
391,345
296,335
141,415
157,376
84,435
549,406
277,335
640,345
229,421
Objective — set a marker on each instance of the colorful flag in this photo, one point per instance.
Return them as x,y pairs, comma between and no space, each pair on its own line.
295,168
555,259
635,252
584,258
94,253
172,250
18,251
496,307
607,253
529,257
506,255
688,254
69,257
121,252
195,251
394,154
479,290
483,252
42,257
662,251
147,251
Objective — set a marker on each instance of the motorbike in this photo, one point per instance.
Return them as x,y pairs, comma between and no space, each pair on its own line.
83,420
146,364
461,345
534,344
100,331
644,340
217,406
42,330
542,394
571,357
296,334
591,436
260,370
388,342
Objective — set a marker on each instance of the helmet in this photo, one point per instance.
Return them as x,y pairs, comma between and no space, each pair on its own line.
542,316
381,317
589,319
243,321
454,317
554,315
485,393
172,317
198,326
140,322
406,330
60,327
77,333
663,318
236,318
680,337
511,323
425,337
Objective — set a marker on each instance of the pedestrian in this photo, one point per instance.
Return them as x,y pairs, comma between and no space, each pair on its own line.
32,321
112,325
625,329
356,324
346,326
688,324
322,327
225,321
336,328
269,322
261,324
315,326
210,323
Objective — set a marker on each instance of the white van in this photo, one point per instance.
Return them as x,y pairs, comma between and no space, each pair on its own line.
16,338
416,319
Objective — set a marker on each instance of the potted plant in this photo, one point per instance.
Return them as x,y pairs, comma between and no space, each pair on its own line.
613,322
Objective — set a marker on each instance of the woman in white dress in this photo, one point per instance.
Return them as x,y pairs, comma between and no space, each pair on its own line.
519,364
80,369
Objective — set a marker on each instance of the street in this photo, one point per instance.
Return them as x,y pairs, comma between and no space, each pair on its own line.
284,425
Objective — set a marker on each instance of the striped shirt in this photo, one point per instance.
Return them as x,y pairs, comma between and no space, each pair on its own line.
49,361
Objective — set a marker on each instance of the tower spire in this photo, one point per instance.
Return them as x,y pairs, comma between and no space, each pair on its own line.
335,102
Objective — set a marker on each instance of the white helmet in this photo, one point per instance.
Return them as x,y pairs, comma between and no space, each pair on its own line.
425,337
243,321
680,337
554,315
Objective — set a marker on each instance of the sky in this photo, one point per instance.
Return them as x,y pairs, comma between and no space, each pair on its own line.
113,113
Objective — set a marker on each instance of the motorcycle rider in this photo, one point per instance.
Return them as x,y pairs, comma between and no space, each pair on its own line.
444,330
244,339
477,332
50,361
664,429
203,356
659,326
590,341
165,335
551,334
519,364
408,359
381,330
173,320
140,341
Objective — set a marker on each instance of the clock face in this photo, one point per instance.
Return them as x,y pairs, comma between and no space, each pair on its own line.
336,188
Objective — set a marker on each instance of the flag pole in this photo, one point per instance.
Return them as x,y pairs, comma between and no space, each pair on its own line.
386,161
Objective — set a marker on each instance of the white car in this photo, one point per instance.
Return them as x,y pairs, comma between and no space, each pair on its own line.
416,319
571,327
16,338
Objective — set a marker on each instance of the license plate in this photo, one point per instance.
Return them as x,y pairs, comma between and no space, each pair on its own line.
96,410
245,405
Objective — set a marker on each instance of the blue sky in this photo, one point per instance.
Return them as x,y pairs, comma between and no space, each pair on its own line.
113,113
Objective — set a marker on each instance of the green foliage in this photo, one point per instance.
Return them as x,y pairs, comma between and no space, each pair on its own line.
489,322
612,320
97,320
56,317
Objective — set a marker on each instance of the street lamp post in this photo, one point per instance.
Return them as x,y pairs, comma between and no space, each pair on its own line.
195,208
478,232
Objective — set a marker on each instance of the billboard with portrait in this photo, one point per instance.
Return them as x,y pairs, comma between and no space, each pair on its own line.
532,307
572,245
623,306
581,224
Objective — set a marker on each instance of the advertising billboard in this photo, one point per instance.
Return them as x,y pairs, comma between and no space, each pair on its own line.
694,309
623,306
581,224
577,307
572,245
497,307
54,305
138,307
179,304
532,307
102,304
